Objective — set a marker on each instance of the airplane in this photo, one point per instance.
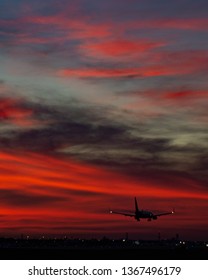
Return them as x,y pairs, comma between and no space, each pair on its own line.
142,214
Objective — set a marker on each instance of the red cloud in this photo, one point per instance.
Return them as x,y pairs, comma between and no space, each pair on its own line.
84,22
174,95
192,24
65,28
71,191
184,94
119,47
163,64
71,27
168,23
99,73
12,110
148,71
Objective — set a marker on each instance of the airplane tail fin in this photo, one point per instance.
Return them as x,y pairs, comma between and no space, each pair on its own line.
136,205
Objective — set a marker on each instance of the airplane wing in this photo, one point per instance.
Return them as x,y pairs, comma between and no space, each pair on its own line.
166,213
122,213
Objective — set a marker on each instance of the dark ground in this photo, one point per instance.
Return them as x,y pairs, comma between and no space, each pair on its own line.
105,249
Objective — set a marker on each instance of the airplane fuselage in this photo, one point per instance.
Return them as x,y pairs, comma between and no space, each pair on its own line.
144,215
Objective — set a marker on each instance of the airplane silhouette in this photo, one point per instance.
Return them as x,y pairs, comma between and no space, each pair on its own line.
141,214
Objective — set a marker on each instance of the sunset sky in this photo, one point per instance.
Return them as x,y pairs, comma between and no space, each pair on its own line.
101,101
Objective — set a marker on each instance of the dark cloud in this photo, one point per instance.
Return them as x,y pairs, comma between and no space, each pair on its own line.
17,198
90,133
63,126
